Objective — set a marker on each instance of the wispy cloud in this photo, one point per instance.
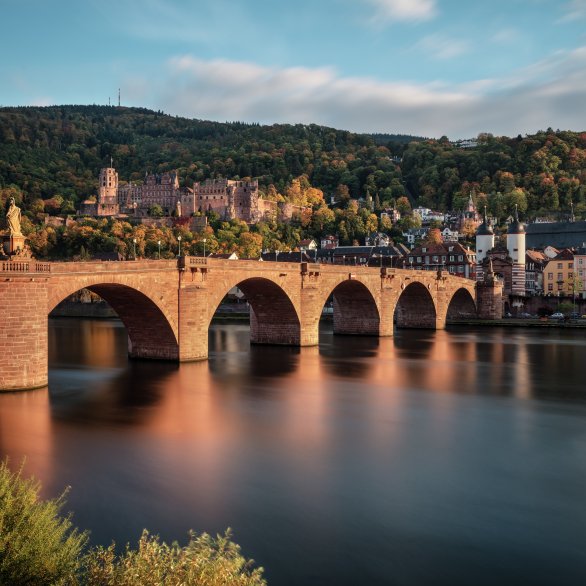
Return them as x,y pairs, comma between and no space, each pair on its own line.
438,46
575,9
506,35
404,10
550,93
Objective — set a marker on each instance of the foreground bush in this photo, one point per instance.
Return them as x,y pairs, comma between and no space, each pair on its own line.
204,561
37,545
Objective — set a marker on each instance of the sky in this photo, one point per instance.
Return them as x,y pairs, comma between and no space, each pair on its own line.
421,67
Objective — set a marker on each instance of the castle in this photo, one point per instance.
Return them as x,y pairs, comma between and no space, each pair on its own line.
229,199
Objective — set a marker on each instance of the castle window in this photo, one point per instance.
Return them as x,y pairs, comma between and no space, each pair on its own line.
550,287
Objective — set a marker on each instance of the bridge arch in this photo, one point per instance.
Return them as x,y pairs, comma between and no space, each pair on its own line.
274,318
151,334
355,310
416,307
461,305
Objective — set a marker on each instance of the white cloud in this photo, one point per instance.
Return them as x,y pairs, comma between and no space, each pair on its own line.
404,10
437,46
506,36
550,93
575,9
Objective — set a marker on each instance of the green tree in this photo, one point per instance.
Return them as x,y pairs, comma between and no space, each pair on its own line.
37,545
156,211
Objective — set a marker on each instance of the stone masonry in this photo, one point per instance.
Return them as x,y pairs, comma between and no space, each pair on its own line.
167,306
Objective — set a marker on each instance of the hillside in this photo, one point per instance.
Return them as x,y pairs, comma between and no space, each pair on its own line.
59,150
55,153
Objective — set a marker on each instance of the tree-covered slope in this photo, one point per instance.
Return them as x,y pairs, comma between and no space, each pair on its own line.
48,151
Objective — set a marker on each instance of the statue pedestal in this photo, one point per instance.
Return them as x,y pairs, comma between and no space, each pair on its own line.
13,245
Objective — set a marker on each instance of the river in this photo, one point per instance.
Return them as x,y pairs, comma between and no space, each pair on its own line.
450,457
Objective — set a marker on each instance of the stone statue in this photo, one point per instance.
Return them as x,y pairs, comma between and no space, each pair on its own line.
178,209
13,219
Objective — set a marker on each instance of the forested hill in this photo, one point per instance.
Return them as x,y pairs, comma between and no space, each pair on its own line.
56,152
59,150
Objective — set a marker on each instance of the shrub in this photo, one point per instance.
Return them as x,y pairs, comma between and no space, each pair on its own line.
37,545
204,561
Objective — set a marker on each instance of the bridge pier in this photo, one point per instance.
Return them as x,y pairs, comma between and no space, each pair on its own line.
23,326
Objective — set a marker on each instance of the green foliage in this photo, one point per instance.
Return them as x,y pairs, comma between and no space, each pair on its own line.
204,561
37,545
59,150
541,173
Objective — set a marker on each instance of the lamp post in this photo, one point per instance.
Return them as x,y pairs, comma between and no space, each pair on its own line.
276,255
179,240
204,247
134,247
159,243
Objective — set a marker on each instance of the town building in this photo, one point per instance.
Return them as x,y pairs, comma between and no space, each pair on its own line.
580,269
558,274
307,244
558,234
450,256
535,261
361,255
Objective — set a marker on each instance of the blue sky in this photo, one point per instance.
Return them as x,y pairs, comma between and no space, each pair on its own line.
426,67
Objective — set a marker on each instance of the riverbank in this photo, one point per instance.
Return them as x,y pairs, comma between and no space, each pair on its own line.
524,323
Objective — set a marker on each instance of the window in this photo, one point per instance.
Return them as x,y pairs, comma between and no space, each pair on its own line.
410,259
460,257
560,265
419,259
550,287
435,258
427,260
570,275
571,265
460,269
560,286
560,276
444,258
452,257
424,250
550,276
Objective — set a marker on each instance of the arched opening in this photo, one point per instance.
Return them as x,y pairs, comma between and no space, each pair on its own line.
415,308
150,334
273,317
461,306
354,310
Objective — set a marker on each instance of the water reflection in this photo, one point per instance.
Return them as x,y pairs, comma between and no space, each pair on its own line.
451,457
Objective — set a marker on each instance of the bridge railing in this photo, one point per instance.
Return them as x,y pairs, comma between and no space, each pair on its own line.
24,266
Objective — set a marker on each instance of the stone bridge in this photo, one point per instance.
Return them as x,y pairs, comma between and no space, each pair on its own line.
167,306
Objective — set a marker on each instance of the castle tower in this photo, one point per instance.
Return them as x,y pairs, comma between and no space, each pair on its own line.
516,248
108,186
484,243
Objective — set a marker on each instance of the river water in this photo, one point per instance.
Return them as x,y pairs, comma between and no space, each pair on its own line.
451,457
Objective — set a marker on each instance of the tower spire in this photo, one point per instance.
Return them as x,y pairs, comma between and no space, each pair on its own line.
119,97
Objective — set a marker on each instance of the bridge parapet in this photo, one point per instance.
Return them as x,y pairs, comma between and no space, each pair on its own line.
24,266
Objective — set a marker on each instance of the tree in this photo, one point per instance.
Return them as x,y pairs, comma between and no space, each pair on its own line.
403,205
37,545
434,236
156,211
